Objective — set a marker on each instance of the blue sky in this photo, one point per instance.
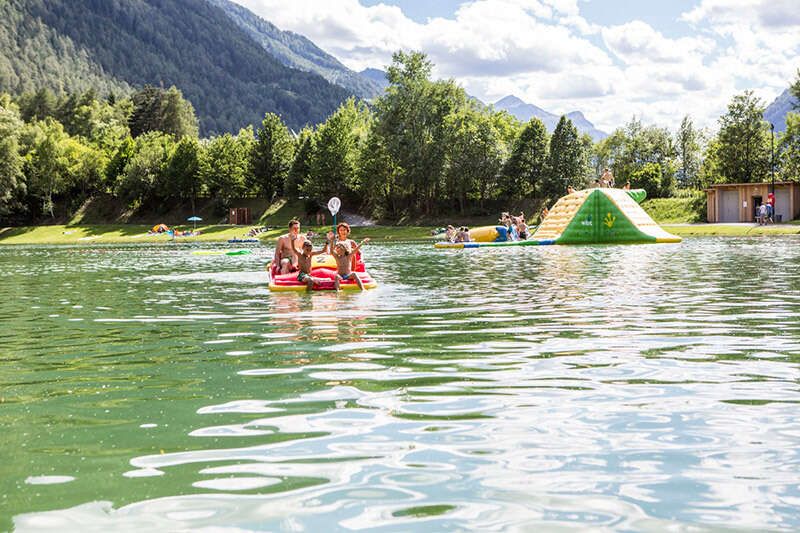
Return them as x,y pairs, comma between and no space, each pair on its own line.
611,59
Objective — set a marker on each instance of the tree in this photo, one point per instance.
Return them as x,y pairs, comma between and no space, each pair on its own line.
794,88
300,170
628,150
46,165
475,153
12,177
526,167
565,161
272,156
162,110
411,118
143,178
789,149
183,171
687,142
225,165
377,177
744,149
337,143
38,106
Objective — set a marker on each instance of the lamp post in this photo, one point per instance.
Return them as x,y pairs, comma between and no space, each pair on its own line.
772,154
772,167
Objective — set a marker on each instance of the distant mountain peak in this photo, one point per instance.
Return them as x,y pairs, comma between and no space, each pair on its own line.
509,101
524,111
776,111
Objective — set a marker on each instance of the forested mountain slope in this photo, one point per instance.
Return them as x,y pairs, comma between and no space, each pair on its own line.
231,80
296,51
34,56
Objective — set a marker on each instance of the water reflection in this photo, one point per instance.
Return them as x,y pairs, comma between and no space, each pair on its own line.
619,387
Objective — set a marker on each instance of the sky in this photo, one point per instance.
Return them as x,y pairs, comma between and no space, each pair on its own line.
657,60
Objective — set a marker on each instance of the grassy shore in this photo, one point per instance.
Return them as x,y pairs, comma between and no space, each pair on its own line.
131,233
731,230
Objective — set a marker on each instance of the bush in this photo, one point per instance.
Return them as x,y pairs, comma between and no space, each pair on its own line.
686,208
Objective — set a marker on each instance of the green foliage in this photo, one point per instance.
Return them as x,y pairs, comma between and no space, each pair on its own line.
272,157
526,167
162,110
46,165
143,177
336,148
685,208
411,118
300,169
12,176
628,150
789,149
744,144
225,165
565,160
795,90
72,45
475,154
37,56
183,170
377,177
687,144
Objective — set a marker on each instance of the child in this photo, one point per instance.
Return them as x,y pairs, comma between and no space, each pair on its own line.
304,263
522,227
344,266
450,234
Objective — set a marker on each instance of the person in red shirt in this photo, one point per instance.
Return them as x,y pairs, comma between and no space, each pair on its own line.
770,205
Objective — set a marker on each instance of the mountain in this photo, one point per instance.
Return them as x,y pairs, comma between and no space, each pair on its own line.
776,111
298,52
377,76
584,126
229,78
524,112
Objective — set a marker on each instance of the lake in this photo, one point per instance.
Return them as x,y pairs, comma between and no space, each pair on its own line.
622,387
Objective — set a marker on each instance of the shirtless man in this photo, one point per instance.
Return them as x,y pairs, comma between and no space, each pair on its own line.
287,247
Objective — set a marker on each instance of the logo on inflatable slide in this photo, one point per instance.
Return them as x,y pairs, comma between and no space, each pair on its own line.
609,220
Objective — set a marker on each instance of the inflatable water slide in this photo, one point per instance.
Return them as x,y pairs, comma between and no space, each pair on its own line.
590,216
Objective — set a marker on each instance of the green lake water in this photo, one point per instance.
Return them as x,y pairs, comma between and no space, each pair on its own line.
639,388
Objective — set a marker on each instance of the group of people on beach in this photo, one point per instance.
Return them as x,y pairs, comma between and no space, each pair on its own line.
294,253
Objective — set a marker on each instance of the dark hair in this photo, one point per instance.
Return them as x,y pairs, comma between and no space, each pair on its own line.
308,244
294,222
340,224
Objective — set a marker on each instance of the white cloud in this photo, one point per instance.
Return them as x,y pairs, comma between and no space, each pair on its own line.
637,42
549,54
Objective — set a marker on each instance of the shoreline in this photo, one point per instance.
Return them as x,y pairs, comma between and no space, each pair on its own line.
220,234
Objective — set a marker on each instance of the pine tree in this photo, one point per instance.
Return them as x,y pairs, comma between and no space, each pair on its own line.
564,161
272,157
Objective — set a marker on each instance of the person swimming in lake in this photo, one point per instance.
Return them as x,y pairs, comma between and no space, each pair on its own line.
304,264
345,255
